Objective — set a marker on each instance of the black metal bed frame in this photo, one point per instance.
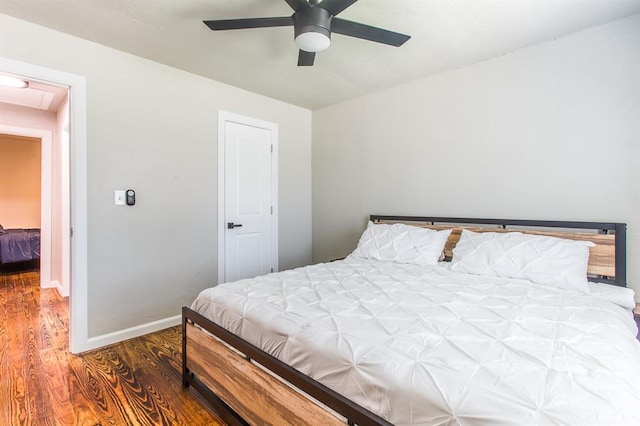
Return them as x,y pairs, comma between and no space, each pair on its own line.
354,413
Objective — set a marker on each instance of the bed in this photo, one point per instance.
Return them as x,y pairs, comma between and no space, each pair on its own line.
474,335
19,245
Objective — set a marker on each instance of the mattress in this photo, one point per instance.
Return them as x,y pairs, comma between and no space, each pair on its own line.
426,345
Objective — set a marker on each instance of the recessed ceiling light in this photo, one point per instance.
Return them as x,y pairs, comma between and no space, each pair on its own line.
8,81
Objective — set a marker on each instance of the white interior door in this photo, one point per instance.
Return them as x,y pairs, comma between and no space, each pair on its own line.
249,228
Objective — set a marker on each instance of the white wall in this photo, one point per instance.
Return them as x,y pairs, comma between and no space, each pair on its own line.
547,132
154,128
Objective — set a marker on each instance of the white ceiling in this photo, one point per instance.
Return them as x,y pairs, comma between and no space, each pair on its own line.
446,34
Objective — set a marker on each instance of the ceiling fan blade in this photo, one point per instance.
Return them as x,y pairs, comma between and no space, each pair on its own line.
239,24
366,32
297,5
335,6
305,59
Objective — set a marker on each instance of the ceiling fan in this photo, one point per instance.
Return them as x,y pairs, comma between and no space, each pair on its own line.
313,22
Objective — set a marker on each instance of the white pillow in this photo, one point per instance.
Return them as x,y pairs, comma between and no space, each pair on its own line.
401,243
544,260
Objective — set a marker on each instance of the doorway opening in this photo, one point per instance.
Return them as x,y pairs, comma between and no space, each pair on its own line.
45,207
25,201
63,149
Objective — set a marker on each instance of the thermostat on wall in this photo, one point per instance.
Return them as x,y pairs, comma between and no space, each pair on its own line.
131,197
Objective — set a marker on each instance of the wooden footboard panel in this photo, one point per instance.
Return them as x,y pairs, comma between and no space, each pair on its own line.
255,395
252,393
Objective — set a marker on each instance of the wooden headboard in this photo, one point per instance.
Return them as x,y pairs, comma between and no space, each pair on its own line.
607,259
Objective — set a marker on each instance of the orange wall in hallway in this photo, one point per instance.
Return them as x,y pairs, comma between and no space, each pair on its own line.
20,181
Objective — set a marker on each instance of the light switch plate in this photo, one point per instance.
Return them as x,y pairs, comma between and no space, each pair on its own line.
119,197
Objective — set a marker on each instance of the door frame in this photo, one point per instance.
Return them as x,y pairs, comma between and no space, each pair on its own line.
224,117
77,256
46,166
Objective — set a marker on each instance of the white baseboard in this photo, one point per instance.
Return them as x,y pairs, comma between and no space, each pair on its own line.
129,333
50,284
53,284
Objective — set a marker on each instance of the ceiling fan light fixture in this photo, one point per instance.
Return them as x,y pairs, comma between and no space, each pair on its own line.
8,81
313,41
312,29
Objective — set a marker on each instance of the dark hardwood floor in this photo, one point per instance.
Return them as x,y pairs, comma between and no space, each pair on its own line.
137,382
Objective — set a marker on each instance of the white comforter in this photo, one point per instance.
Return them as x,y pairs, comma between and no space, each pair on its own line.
424,345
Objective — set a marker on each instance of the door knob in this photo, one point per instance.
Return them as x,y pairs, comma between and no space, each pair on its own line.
231,225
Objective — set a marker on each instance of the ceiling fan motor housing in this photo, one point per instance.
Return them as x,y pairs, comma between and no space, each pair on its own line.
314,19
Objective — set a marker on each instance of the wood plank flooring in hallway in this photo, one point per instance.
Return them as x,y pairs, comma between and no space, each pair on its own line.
136,382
